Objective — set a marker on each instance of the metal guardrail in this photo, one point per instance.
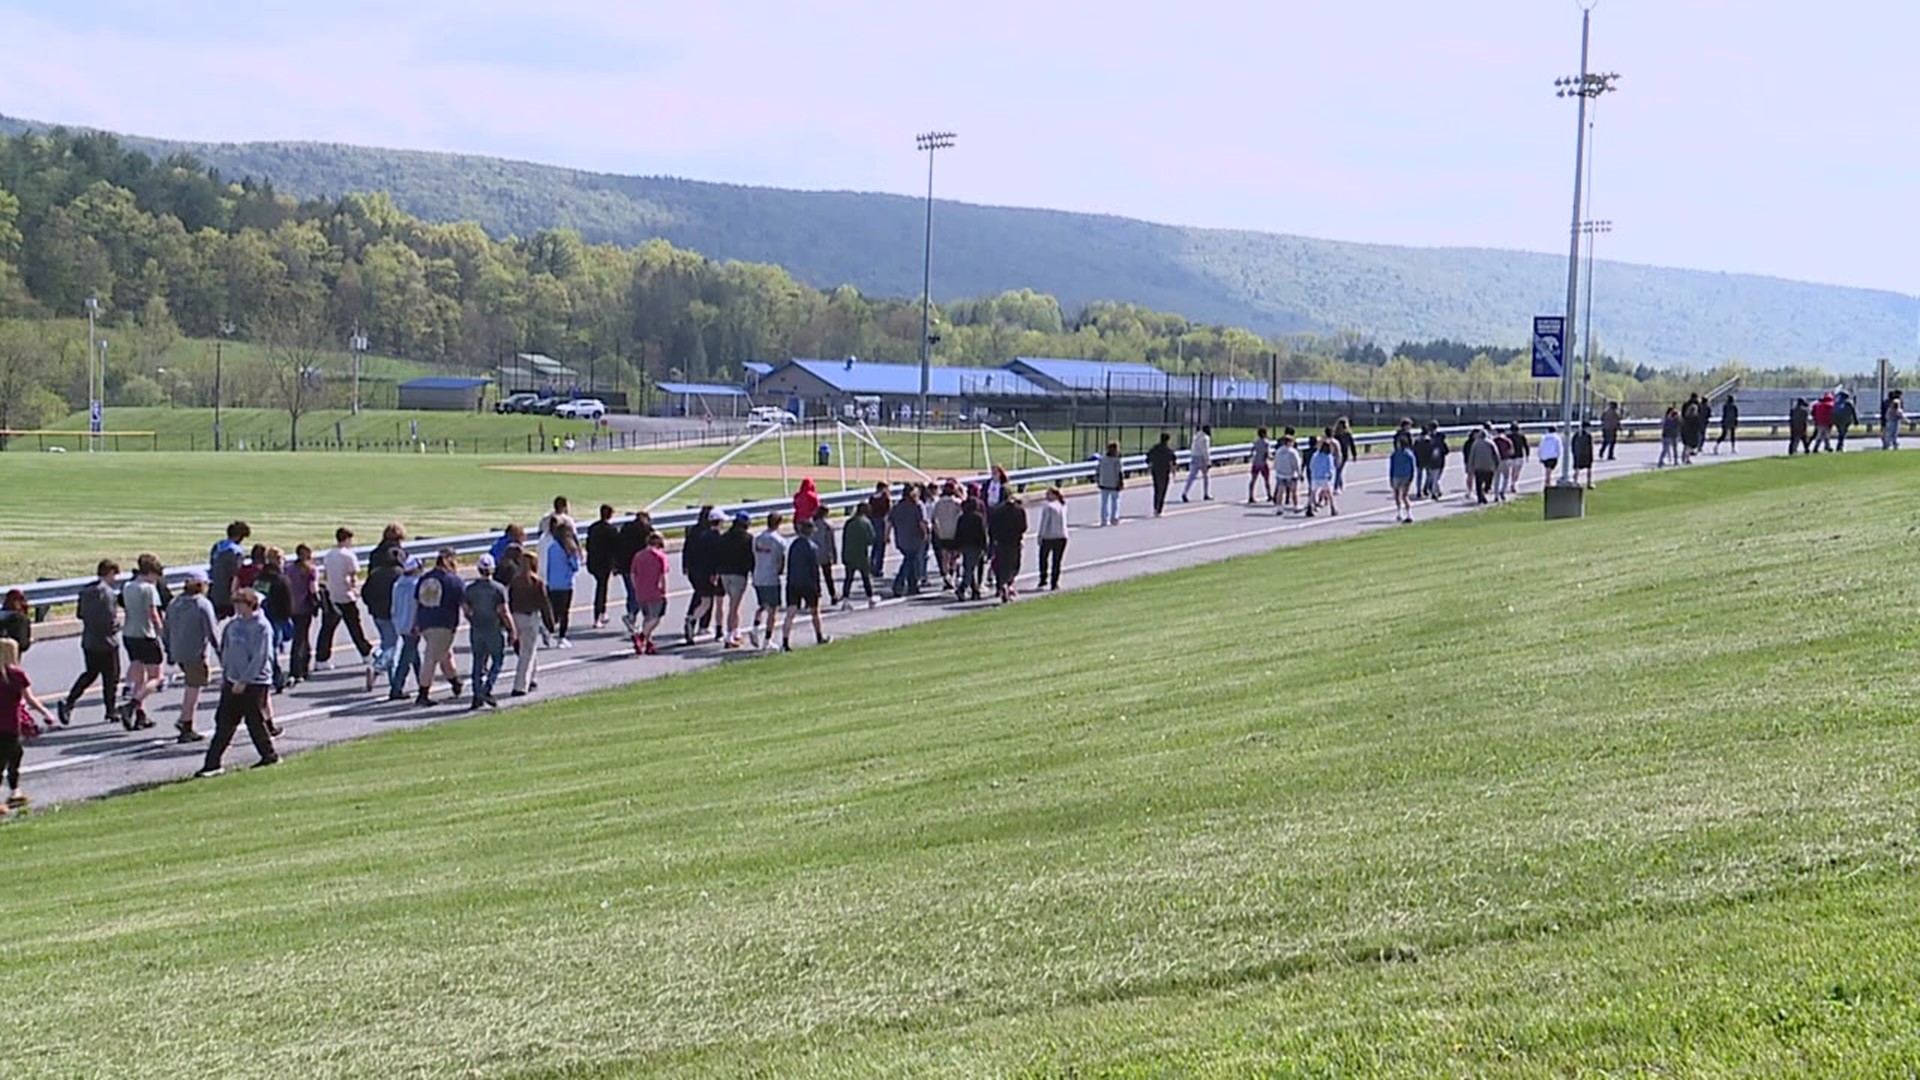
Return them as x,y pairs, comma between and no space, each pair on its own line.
42,595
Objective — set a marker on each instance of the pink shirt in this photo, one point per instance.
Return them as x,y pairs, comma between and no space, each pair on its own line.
13,694
649,574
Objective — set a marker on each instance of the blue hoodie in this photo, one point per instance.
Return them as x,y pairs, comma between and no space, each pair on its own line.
560,567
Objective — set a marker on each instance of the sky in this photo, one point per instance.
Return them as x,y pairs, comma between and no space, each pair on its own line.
1770,136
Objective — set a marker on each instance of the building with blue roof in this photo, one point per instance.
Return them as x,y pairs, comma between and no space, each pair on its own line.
847,387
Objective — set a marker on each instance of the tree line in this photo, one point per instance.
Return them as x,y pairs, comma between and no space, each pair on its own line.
171,247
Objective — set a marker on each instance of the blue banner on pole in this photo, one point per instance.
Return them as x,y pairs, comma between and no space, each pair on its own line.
94,415
1549,346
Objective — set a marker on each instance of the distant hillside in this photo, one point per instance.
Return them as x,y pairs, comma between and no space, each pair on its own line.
1266,282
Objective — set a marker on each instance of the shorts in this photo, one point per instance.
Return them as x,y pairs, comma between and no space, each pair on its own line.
197,673
767,596
439,642
707,587
1402,485
1261,469
804,598
1549,462
735,586
142,650
1323,486
653,609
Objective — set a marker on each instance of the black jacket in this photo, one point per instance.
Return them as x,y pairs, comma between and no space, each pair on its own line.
376,595
734,554
603,548
633,537
971,530
1008,523
1160,458
702,555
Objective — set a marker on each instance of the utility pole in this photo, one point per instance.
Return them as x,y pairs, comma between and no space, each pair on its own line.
1592,229
94,414
929,142
1585,86
358,343
219,371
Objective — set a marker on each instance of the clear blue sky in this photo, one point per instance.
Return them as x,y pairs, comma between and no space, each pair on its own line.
1773,136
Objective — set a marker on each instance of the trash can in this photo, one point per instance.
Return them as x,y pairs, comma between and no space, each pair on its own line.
823,455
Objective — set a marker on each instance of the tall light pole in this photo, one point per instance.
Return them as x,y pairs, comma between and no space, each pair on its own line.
93,355
226,331
1592,229
1585,87
358,343
929,142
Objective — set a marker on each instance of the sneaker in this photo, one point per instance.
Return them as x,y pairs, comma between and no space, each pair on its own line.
491,701
518,693
17,800
266,763
824,639
600,623
872,602
423,701
474,706
63,711
187,734
566,643
652,649
786,645
209,772
140,719
396,695
457,684
275,730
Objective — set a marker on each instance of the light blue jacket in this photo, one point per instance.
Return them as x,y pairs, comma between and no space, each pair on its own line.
246,650
560,567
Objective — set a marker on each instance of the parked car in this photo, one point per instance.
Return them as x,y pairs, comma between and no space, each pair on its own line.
516,403
544,406
585,408
769,415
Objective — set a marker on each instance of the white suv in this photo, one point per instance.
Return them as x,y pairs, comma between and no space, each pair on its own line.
769,415
585,408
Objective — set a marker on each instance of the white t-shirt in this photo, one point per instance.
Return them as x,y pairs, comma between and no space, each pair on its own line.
340,570
1550,446
1200,455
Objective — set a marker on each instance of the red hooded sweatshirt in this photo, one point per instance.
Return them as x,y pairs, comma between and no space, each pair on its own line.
806,501
1823,411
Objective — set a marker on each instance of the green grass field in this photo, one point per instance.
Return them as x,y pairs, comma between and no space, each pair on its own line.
1382,807
244,429
66,511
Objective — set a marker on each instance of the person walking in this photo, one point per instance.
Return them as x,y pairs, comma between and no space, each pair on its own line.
1844,416
804,567
1798,420
1436,461
970,536
1892,415
1691,423
437,614
1669,438
1160,462
825,539
489,630
633,540
302,589
1110,478
1343,438
1052,532
909,528
1822,424
1286,476
1400,472
1200,464
406,629
647,576
16,620
246,670
735,567
563,568
1007,531
145,625
224,561
1729,427
946,517
700,560
998,488
603,559
276,601
99,610
769,562
1550,451
879,507
1522,449
532,612
340,602
856,554
16,698
384,568
1583,453
1503,479
191,634
1260,468
1323,464
1610,420
1483,460
806,501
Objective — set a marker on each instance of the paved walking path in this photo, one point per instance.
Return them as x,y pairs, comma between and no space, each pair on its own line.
93,758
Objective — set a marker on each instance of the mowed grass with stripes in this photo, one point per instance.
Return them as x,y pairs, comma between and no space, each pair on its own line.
1631,795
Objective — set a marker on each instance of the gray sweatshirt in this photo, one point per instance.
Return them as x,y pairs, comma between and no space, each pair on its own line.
246,650
99,611
190,629
1107,473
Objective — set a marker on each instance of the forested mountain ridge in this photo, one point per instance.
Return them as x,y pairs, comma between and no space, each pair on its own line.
1272,284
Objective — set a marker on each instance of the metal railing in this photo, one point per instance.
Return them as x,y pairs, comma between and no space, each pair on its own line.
43,595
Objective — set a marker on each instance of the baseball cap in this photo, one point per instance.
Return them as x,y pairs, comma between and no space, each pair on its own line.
741,517
485,565
716,515
413,563
197,575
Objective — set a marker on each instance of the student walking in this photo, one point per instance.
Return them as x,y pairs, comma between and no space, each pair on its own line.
1400,470
1610,420
971,538
603,558
1436,462
437,614
1160,462
1798,441
1483,460
302,590
880,509
562,569
735,561
806,501
1053,538
1110,479
190,636
1729,427
405,597
224,561
804,567
16,697
1583,453
769,561
1342,434
532,612
340,592
246,670
700,560
1669,438
946,517
1522,450
145,625
1844,417
1822,424
1550,451
1200,464
1260,468
489,629
1007,529
1286,475
384,567
1323,464
1892,414
633,540
856,554
99,611
909,528
647,577
16,621
825,540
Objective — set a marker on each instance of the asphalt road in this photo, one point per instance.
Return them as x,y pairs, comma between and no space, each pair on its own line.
93,758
